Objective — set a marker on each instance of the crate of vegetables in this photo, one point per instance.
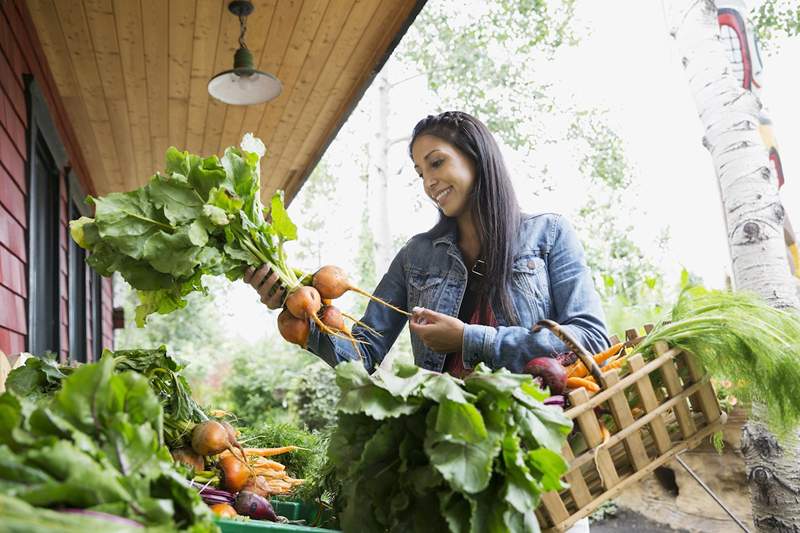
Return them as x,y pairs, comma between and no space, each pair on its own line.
626,426
638,404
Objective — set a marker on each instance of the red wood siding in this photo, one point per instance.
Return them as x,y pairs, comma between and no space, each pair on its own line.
21,54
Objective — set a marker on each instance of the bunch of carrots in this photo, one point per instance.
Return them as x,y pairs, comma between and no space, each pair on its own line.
578,375
315,302
239,468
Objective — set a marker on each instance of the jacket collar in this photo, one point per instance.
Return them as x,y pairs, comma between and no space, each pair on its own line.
448,238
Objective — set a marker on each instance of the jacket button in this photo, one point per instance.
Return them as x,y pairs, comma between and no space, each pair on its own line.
531,264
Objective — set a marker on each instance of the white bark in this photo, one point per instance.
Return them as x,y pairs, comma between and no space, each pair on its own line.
379,176
753,211
754,220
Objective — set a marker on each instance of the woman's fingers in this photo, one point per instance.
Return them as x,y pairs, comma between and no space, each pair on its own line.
258,276
248,274
275,300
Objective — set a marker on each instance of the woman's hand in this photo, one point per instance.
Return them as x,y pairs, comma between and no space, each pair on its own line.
441,333
266,283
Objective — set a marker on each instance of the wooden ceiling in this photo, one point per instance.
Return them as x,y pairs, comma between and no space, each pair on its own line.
133,77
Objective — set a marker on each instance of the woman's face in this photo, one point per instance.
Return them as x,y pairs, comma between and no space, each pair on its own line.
447,174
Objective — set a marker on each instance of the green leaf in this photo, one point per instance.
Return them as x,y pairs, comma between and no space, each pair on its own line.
77,231
462,421
550,467
541,427
281,222
208,174
177,162
127,220
456,511
215,214
466,466
519,485
443,387
178,199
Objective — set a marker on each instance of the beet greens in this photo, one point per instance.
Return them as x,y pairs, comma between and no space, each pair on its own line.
201,217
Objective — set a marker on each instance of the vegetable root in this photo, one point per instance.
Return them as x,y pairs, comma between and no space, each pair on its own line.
576,383
366,327
212,437
331,282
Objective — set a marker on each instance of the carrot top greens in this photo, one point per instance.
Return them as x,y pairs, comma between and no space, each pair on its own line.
201,217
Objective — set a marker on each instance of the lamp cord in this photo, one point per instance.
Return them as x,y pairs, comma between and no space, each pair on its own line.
242,30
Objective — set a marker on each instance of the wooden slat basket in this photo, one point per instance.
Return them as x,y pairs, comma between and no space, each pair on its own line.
659,409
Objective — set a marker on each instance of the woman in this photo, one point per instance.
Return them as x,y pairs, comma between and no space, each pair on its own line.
480,278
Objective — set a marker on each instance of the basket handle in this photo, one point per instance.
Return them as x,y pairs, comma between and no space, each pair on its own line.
585,357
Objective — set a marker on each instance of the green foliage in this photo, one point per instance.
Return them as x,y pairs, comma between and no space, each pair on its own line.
96,445
739,337
313,397
630,283
776,19
204,217
416,450
481,61
301,463
43,377
260,378
315,210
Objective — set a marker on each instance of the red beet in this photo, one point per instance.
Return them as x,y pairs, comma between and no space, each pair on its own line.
552,374
254,506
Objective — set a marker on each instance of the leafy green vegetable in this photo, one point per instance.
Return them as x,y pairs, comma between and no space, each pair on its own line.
203,217
38,376
738,337
21,517
181,412
97,445
43,376
415,450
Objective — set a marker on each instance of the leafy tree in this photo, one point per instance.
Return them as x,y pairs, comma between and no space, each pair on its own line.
482,60
313,397
775,19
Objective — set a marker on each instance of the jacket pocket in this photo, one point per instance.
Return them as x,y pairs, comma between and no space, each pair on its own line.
532,298
424,288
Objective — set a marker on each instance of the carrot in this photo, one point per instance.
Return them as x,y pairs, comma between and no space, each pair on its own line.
575,383
579,370
616,363
600,358
331,282
269,452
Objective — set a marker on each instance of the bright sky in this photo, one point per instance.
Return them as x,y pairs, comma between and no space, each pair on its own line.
632,71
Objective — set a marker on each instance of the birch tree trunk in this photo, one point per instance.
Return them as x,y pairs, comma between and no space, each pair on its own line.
379,176
754,221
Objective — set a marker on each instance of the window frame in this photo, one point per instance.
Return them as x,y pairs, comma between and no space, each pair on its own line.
46,159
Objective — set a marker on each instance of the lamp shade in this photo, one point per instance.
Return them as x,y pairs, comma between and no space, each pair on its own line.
244,85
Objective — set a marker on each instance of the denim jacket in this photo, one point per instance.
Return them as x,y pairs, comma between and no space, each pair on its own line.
550,280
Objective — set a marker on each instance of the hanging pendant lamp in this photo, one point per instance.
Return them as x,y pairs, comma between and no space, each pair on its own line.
243,85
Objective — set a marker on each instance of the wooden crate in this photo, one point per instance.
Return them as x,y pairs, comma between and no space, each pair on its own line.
659,409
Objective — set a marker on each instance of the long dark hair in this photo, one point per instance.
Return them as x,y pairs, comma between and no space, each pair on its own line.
492,202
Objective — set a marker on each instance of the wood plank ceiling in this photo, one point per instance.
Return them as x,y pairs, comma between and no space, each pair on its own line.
133,76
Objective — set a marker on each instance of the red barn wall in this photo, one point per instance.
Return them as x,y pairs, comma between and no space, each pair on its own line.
21,55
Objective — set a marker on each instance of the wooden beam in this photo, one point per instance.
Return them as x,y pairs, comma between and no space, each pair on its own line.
155,22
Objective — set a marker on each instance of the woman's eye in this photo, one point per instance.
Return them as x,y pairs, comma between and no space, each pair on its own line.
437,163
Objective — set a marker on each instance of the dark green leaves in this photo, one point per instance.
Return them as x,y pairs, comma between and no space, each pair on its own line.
96,445
474,454
202,217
